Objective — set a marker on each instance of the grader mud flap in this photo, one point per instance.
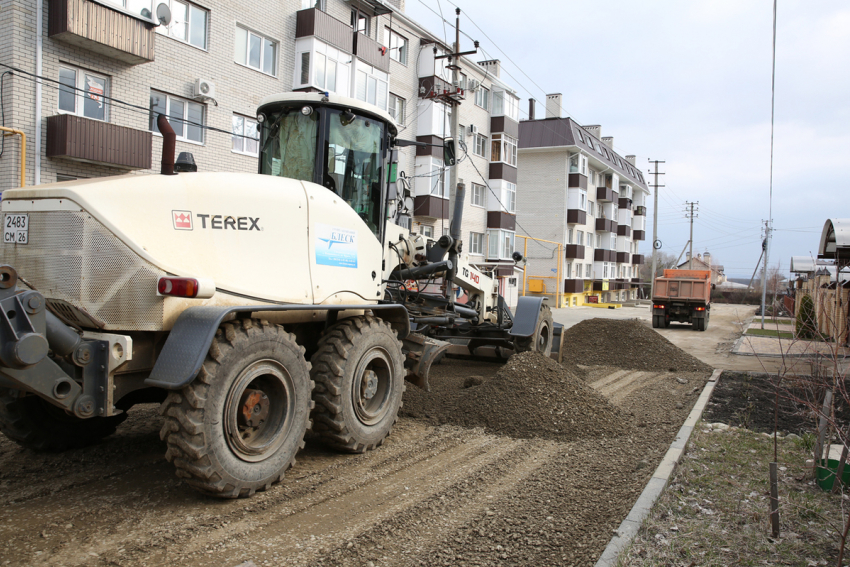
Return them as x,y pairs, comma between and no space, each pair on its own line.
421,353
557,342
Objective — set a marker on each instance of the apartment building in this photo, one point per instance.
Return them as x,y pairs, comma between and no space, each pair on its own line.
576,191
208,69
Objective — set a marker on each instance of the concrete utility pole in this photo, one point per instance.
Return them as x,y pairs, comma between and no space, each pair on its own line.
767,230
690,214
655,185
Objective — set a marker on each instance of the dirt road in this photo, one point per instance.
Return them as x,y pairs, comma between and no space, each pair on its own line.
432,495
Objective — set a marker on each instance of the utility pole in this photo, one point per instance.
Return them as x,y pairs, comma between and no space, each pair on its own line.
690,214
767,229
454,65
655,185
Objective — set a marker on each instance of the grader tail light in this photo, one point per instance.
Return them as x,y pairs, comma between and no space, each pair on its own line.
191,288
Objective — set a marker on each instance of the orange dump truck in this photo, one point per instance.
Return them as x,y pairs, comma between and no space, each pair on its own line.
683,296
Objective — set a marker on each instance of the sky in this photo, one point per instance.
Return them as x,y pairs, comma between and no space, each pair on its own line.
689,83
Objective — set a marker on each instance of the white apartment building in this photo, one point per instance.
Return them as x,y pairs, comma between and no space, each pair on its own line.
575,190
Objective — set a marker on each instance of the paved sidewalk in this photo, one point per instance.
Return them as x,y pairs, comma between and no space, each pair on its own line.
749,345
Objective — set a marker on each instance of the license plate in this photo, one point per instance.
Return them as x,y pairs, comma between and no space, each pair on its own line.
16,229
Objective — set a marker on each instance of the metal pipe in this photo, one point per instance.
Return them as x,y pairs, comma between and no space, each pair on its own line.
63,340
12,132
39,59
433,320
169,145
426,270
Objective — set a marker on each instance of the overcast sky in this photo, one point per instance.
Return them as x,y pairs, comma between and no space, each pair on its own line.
689,83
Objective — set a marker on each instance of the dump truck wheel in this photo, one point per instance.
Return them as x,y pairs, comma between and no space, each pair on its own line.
38,425
541,340
237,427
359,375
657,322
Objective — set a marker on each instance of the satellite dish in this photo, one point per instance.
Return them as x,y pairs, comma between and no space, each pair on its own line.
163,14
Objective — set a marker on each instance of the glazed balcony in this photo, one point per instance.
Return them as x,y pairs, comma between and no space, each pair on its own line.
573,286
605,194
624,230
640,210
576,216
639,235
606,225
600,255
638,259
93,141
574,252
622,257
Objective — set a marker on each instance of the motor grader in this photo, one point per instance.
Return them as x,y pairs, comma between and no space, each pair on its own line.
250,306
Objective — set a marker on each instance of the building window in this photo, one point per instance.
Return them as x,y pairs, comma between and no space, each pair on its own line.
582,195
505,104
188,23
427,231
372,85
476,243
396,109
580,237
82,93
599,241
439,179
185,116
503,148
587,270
480,148
256,51
397,45
362,22
482,98
246,136
568,270
569,236
477,195
510,197
590,207
573,163
318,4
501,244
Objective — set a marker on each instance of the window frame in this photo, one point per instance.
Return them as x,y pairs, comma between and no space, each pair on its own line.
263,38
166,30
187,102
321,5
392,98
355,14
510,197
483,93
507,147
479,238
502,237
242,137
389,35
483,200
426,227
483,140
80,92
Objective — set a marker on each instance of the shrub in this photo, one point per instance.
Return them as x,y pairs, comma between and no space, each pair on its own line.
806,326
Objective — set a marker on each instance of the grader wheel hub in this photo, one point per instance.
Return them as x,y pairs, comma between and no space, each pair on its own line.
254,407
370,384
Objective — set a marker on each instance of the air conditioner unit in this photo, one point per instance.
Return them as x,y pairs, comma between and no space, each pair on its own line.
472,84
472,130
204,89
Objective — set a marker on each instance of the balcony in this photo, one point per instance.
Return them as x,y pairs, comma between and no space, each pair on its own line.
600,255
577,180
638,259
624,230
102,30
639,235
371,52
573,286
576,216
606,225
313,22
574,252
625,203
640,210
430,206
498,219
622,257
92,141
604,194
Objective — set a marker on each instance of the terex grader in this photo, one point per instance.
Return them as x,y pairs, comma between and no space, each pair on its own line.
251,306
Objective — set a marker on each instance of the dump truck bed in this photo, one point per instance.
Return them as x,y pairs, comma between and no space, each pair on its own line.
683,285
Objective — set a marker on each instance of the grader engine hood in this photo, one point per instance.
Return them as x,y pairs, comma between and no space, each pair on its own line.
100,245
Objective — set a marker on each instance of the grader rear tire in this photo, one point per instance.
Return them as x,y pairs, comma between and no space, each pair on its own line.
359,375
237,427
541,340
36,424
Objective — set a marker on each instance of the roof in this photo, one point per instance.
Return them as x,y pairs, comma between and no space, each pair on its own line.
696,261
561,132
835,240
802,264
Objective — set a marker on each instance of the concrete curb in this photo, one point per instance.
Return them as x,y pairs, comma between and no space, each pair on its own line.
630,526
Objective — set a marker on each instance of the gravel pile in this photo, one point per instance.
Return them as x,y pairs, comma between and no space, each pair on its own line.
625,344
531,396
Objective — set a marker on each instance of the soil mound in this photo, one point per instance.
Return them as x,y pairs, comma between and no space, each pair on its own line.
530,396
625,344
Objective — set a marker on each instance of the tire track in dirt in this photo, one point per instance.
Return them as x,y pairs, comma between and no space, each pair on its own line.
617,386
